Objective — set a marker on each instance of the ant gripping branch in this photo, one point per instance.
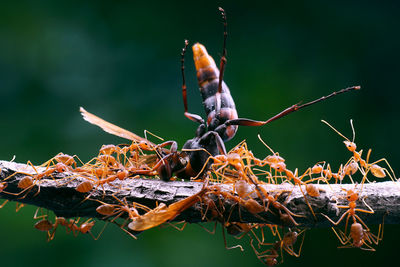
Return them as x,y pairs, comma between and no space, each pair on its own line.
269,257
352,196
359,237
222,118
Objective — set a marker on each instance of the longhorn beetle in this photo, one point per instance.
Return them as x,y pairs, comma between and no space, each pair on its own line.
222,119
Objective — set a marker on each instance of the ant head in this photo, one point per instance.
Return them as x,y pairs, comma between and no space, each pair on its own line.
143,144
351,195
274,159
271,260
87,226
351,146
234,158
280,166
107,149
3,185
233,229
317,168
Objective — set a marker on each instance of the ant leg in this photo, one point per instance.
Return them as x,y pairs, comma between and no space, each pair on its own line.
225,243
362,222
4,203
70,227
204,214
368,248
376,238
100,233
347,223
371,211
221,164
41,216
256,236
308,203
371,238
207,230
174,225
290,249
215,212
126,231
344,239
340,219
160,163
299,182
268,257
19,206
44,165
380,234
273,228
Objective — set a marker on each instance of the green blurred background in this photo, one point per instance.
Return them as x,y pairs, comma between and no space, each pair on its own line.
121,59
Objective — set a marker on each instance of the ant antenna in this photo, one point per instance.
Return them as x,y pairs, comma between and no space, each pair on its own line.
339,133
156,136
265,144
222,64
352,128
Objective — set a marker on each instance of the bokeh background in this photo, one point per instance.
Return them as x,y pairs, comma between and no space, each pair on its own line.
121,59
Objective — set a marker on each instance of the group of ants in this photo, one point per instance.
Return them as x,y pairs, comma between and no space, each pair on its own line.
237,176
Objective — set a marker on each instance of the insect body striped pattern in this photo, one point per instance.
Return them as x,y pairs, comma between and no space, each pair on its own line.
208,78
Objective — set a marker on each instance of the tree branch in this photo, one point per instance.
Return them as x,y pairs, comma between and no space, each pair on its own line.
57,193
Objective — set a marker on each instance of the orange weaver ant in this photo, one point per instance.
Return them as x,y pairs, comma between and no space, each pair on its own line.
359,237
44,224
222,119
29,181
269,256
352,196
71,225
365,167
276,162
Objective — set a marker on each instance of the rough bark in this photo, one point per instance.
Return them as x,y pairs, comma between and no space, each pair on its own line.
58,194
